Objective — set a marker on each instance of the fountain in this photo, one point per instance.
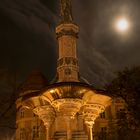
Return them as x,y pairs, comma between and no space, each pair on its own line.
68,97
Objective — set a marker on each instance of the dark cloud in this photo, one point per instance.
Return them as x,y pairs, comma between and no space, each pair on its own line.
102,50
27,37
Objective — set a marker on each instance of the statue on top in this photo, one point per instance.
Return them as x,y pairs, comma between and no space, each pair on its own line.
66,10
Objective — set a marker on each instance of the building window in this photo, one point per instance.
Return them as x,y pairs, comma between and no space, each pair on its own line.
102,115
103,129
35,133
67,71
22,134
22,114
117,101
121,114
103,133
74,62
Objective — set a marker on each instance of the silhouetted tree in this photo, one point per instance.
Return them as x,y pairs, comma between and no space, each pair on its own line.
8,96
127,86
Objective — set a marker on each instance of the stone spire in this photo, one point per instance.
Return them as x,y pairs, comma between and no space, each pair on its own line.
67,34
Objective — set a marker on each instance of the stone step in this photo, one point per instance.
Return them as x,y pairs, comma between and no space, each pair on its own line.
60,134
76,135
79,138
78,132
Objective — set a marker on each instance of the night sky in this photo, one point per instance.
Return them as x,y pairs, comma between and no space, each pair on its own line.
28,42
27,37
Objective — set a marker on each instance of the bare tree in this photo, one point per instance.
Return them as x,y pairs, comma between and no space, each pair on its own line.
9,83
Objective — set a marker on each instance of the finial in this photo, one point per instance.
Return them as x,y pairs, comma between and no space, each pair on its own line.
66,10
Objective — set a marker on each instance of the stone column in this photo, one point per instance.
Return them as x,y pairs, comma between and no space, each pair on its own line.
47,125
90,113
89,124
90,131
47,115
68,122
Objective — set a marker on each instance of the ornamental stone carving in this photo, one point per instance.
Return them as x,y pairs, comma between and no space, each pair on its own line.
46,114
67,32
91,112
68,106
67,61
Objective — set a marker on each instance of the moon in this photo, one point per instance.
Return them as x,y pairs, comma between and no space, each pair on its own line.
122,25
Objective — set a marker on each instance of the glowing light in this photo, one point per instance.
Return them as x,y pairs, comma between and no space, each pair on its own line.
122,25
52,91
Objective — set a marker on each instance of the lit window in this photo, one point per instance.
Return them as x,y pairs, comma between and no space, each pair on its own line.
102,115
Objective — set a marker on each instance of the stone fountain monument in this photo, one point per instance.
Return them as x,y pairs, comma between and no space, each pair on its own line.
68,108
